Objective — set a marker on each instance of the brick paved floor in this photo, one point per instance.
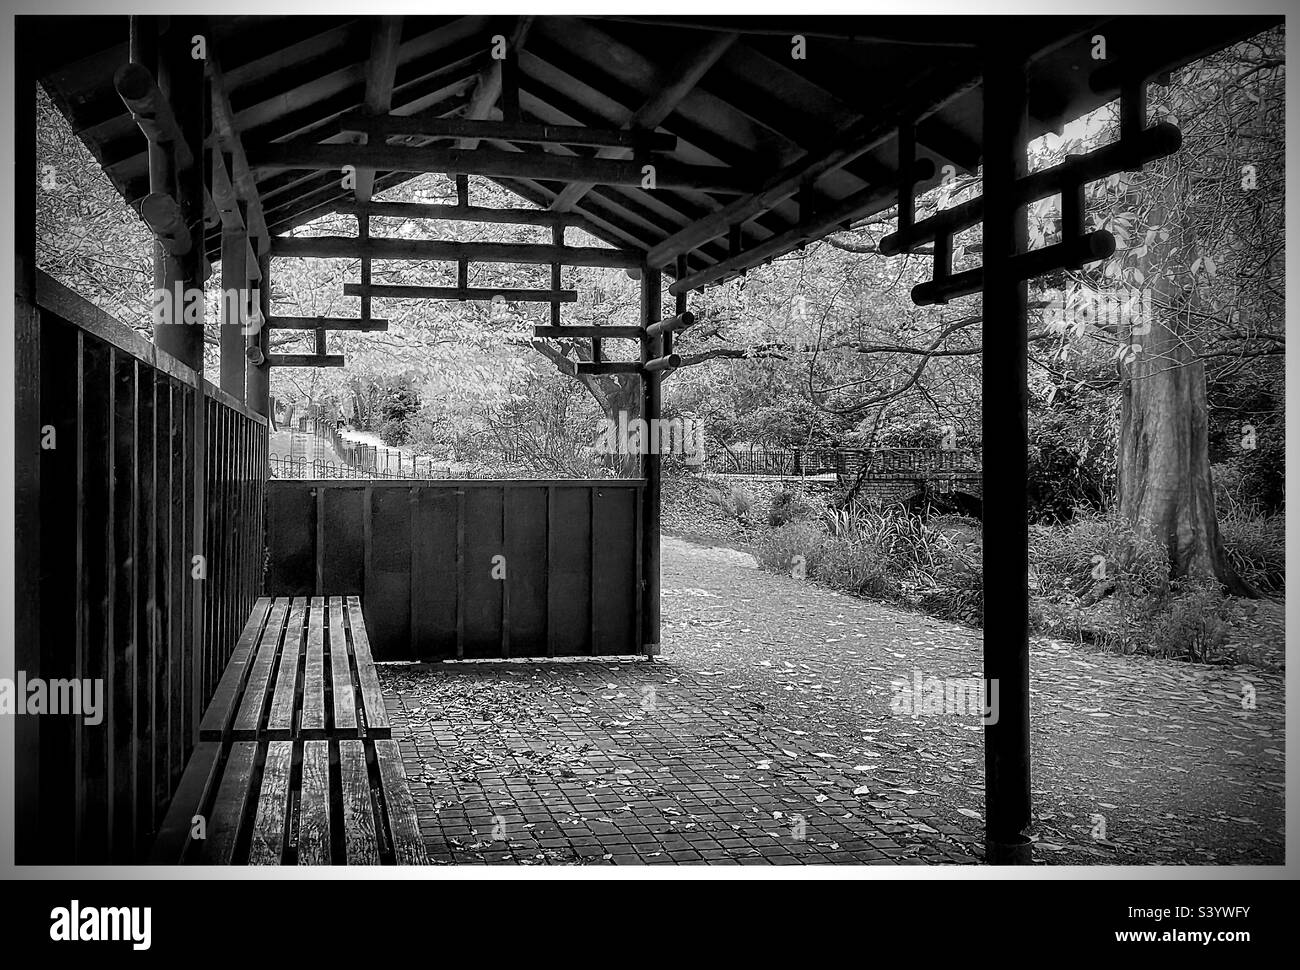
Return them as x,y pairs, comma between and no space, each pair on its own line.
764,735
629,762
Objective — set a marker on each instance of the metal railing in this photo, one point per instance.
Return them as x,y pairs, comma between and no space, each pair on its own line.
840,462
287,467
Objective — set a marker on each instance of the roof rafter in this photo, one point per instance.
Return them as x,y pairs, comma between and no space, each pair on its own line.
682,80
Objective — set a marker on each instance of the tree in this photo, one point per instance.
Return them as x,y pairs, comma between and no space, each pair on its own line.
1206,241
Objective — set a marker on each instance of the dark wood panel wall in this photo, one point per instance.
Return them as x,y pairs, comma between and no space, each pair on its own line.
472,569
120,588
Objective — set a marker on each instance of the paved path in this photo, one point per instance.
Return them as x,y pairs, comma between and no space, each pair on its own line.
764,735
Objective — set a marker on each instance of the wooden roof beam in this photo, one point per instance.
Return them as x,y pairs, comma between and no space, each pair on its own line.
818,224
456,213
543,134
349,247
660,105
471,294
857,139
497,163
381,71
488,91
326,323
227,135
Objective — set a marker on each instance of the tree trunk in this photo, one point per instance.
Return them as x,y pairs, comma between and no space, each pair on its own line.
1165,488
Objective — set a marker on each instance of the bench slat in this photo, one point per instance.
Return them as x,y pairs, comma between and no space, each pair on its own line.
372,698
193,793
288,814
267,847
313,687
219,718
253,704
233,799
408,845
344,695
358,807
279,723
314,805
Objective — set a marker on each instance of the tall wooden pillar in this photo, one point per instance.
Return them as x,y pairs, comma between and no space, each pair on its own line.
180,79
259,345
27,458
234,305
1006,442
651,302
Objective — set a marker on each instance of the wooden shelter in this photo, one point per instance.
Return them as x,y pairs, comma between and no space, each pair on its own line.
696,148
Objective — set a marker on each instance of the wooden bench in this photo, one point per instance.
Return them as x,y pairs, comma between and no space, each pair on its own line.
295,763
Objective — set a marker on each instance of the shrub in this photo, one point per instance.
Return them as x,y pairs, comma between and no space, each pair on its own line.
905,544
1256,549
776,550
1263,474
1194,623
735,501
1070,560
856,567
961,598
788,506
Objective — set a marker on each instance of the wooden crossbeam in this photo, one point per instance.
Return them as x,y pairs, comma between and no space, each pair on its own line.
809,228
651,114
1144,146
667,362
583,330
329,323
151,111
345,247
672,325
1070,254
606,368
438,126
497,164
474,294
455,213
306,360
855,140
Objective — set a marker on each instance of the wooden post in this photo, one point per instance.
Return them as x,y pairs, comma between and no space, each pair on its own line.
363,233
557,273
180,79
234,283
259,348
27,456
1005,430
651,404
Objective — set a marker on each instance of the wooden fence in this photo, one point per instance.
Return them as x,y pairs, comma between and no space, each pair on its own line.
128,499
472,569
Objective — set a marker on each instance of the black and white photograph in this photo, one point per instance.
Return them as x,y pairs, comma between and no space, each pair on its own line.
448,440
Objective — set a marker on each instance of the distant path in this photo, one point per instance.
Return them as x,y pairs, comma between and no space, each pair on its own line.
1162,749
763,735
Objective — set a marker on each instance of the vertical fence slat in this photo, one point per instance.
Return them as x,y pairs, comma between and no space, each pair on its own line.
121,722
61,621
97,575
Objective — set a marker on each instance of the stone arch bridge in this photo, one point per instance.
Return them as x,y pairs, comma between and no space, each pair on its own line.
886,476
